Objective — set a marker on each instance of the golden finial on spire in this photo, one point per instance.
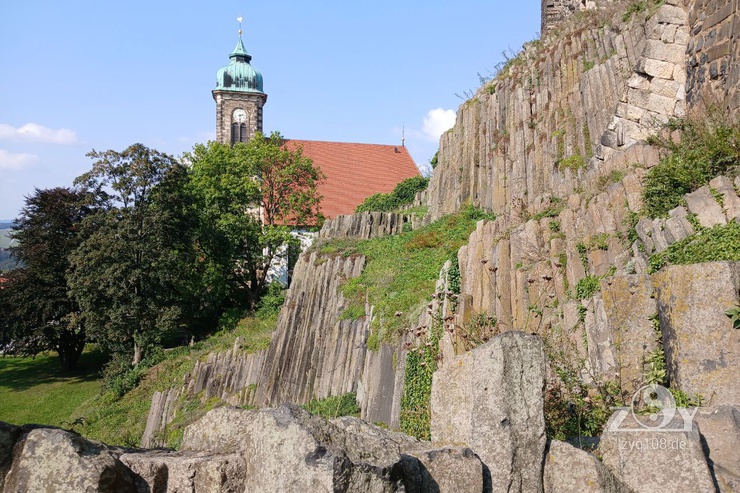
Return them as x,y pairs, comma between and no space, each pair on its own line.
239,20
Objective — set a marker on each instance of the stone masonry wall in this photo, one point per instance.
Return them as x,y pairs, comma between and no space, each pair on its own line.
714,53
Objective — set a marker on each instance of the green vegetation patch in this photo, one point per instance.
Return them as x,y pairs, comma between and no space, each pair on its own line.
574,409
573,163
416,410
401,270
335,406
403,194
34,391
641,6
707,245
709,147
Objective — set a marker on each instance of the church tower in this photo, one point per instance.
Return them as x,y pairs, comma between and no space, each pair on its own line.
239,98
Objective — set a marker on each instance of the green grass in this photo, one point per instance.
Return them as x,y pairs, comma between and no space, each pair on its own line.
335,406
401,270
122,421
36,391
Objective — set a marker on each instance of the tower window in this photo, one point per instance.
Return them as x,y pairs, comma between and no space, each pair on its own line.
238,132
234,133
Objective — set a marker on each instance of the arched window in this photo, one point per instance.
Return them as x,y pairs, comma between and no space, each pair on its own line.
243,132
234,133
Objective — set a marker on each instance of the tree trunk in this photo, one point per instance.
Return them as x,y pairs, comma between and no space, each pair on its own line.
137,354
70,349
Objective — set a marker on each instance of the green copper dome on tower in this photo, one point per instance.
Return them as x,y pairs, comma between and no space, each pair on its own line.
239,75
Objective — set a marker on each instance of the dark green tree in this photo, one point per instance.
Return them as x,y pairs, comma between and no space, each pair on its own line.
130,273
40,315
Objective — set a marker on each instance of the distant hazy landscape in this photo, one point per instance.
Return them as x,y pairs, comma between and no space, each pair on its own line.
5,262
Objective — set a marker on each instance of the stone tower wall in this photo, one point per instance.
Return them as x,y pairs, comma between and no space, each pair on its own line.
713,69
227,102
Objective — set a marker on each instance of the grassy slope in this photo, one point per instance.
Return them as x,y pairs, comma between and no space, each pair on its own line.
33,390
122,421
401,270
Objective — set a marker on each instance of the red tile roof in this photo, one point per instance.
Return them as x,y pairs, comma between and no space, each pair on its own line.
355,171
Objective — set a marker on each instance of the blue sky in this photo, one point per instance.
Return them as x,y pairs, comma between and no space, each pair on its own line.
79,75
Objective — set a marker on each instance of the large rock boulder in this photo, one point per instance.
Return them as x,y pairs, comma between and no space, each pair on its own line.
659,452
701,347
288,449
491,399
572,470
195,472
720,430
456,470
52,460
9,434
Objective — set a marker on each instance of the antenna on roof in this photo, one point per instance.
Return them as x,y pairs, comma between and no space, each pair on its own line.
403,136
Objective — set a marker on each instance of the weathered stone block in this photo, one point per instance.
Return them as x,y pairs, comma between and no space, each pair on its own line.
274,441
654,68
196,472
669,14
667,88
702,349
449,469
629,307
571,470
57,460
702,203
667,52
730,200
491,399
720,429
649,458
9,434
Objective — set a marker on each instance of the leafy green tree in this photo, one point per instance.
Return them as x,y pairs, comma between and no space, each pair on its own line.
289,182
130,273
403,194
225,197
247,196
40,315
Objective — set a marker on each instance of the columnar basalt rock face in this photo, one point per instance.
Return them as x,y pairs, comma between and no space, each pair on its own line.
314,354
368,225
491,399
566,103
702,347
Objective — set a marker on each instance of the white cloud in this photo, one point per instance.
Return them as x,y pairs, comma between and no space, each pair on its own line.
34,132
437,122
10,161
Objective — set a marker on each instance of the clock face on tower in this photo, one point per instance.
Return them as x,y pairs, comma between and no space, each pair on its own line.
240,116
